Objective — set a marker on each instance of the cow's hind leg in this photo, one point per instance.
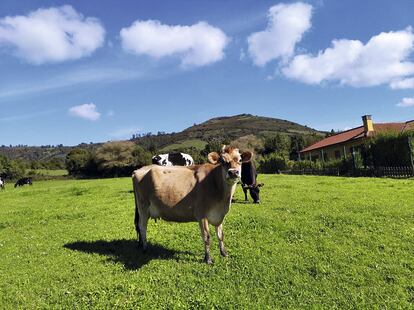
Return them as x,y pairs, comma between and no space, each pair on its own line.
136,222
245,194
220,237
142,230
140,221
205,235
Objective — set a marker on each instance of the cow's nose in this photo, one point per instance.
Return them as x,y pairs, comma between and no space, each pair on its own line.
233,173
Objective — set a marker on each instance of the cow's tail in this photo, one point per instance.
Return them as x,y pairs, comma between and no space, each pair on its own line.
135,187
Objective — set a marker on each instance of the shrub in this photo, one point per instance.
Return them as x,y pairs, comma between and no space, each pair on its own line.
277,144
273,163
389,149
79,162
114,159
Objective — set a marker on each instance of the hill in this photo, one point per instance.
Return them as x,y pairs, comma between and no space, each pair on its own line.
41,153
244,124
227,128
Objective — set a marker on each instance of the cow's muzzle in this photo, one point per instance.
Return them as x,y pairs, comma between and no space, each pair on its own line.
233,174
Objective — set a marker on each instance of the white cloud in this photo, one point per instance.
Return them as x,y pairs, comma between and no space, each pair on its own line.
197,45
286,25
51,35
87,111
406,102
126,132
384,59
403,84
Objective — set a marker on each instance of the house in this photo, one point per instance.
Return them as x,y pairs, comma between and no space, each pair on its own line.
346,143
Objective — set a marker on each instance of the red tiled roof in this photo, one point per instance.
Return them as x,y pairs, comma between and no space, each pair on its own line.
358,133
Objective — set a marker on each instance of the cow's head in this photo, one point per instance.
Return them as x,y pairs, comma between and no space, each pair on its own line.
230,160
254,191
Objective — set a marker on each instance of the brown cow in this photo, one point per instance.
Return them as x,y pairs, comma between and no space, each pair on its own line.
200,193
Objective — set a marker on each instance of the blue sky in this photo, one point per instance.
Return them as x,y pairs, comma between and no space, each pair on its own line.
97,70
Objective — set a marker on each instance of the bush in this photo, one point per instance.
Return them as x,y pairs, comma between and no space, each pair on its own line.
11,169
141,157
273,163
79,162
306,164
114,159
390,149
277,144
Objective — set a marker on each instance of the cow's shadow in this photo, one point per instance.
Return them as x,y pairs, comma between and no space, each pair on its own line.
126,252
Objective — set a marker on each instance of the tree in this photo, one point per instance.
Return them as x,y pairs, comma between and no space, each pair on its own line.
277,144
297,143
79,162
214,145
120,158
141,157
4,165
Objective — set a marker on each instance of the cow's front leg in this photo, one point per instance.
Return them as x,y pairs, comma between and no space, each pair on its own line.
220,237
205,235
245,194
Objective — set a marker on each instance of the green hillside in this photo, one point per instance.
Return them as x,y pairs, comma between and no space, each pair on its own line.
244,124
227,128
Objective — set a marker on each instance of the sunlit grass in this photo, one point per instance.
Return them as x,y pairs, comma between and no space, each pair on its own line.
320,242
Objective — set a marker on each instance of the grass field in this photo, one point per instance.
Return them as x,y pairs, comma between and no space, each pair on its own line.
314,242
190,143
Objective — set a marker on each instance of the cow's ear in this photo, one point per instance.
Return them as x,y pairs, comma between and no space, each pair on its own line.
246,156
213,157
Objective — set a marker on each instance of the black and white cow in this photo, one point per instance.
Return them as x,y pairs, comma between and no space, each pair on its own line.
2,183
23,181
249,181
173,159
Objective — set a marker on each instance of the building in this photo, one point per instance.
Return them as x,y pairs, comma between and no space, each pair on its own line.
344,144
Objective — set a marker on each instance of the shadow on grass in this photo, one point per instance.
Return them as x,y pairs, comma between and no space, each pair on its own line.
125,252
242,202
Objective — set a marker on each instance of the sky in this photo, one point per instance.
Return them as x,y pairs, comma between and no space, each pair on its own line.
100,70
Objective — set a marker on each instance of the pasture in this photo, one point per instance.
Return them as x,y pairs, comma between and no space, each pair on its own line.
314,242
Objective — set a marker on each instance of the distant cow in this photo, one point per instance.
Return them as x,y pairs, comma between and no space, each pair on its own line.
23,181
200,193
173,159
249,181
2,183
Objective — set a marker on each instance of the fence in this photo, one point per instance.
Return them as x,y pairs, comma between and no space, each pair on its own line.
390,172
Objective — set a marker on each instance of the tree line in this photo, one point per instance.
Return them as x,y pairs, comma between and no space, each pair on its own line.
116,159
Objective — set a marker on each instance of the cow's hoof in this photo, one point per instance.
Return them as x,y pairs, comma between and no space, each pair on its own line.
224,253
207,260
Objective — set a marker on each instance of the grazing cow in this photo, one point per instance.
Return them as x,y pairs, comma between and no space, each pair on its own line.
23,181
2,183
200,193
249,181
173,159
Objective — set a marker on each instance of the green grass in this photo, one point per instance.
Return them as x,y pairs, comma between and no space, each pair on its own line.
314,242
182,145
